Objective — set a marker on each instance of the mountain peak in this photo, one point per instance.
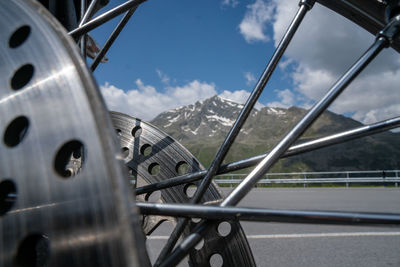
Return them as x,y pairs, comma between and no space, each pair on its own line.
219,99
203,126
210,117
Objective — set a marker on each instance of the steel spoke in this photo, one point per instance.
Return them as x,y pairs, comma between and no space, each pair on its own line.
239,192
268,215
112,38
89,12
103,18
83,39
383,40
292,151
251,101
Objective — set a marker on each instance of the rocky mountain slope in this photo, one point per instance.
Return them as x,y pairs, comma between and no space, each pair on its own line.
202,127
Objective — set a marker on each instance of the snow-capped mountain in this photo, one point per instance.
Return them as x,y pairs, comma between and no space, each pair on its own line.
207,118
202,127
210,118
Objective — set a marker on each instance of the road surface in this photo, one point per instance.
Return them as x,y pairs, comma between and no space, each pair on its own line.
278,244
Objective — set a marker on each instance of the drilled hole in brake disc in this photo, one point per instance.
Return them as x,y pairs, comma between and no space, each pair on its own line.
216,260
69,159
224,228
136,131
182,168
190,190
145,150
33,251
16,131
22,76
154,168
125,152
153,196
8,196
19,36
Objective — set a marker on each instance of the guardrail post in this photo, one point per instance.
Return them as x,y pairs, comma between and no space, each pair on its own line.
384,178
347,176
305,179
397,176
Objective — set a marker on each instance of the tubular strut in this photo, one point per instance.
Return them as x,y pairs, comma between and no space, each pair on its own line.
268,215
305,5
384,39
103,18
112,38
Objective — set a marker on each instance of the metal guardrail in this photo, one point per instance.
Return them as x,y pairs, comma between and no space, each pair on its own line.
345,177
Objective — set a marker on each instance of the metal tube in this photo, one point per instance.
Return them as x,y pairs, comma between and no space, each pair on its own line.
112,38
103,18
230,138
267,215
245,186
293,150
345,136
89,13
83,39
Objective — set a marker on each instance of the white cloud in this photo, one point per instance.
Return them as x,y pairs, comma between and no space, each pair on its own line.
285,62
312,83
191,92
146,102
372,98
239,96
255,20
163,77
232,3
375,115
287,99
323,48
250,79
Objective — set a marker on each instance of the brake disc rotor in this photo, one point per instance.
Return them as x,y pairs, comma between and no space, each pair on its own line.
64,200
153,156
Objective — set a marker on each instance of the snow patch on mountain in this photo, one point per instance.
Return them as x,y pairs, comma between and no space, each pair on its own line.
230,102
224,121
186,128
175,119
275,111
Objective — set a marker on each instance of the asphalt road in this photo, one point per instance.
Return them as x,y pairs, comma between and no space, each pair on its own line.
278,244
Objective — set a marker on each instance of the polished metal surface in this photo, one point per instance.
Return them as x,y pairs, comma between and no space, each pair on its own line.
64,200
105,17
153,156
269,215
89,12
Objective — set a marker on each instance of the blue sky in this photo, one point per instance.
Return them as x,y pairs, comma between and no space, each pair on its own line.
174,52
187,40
